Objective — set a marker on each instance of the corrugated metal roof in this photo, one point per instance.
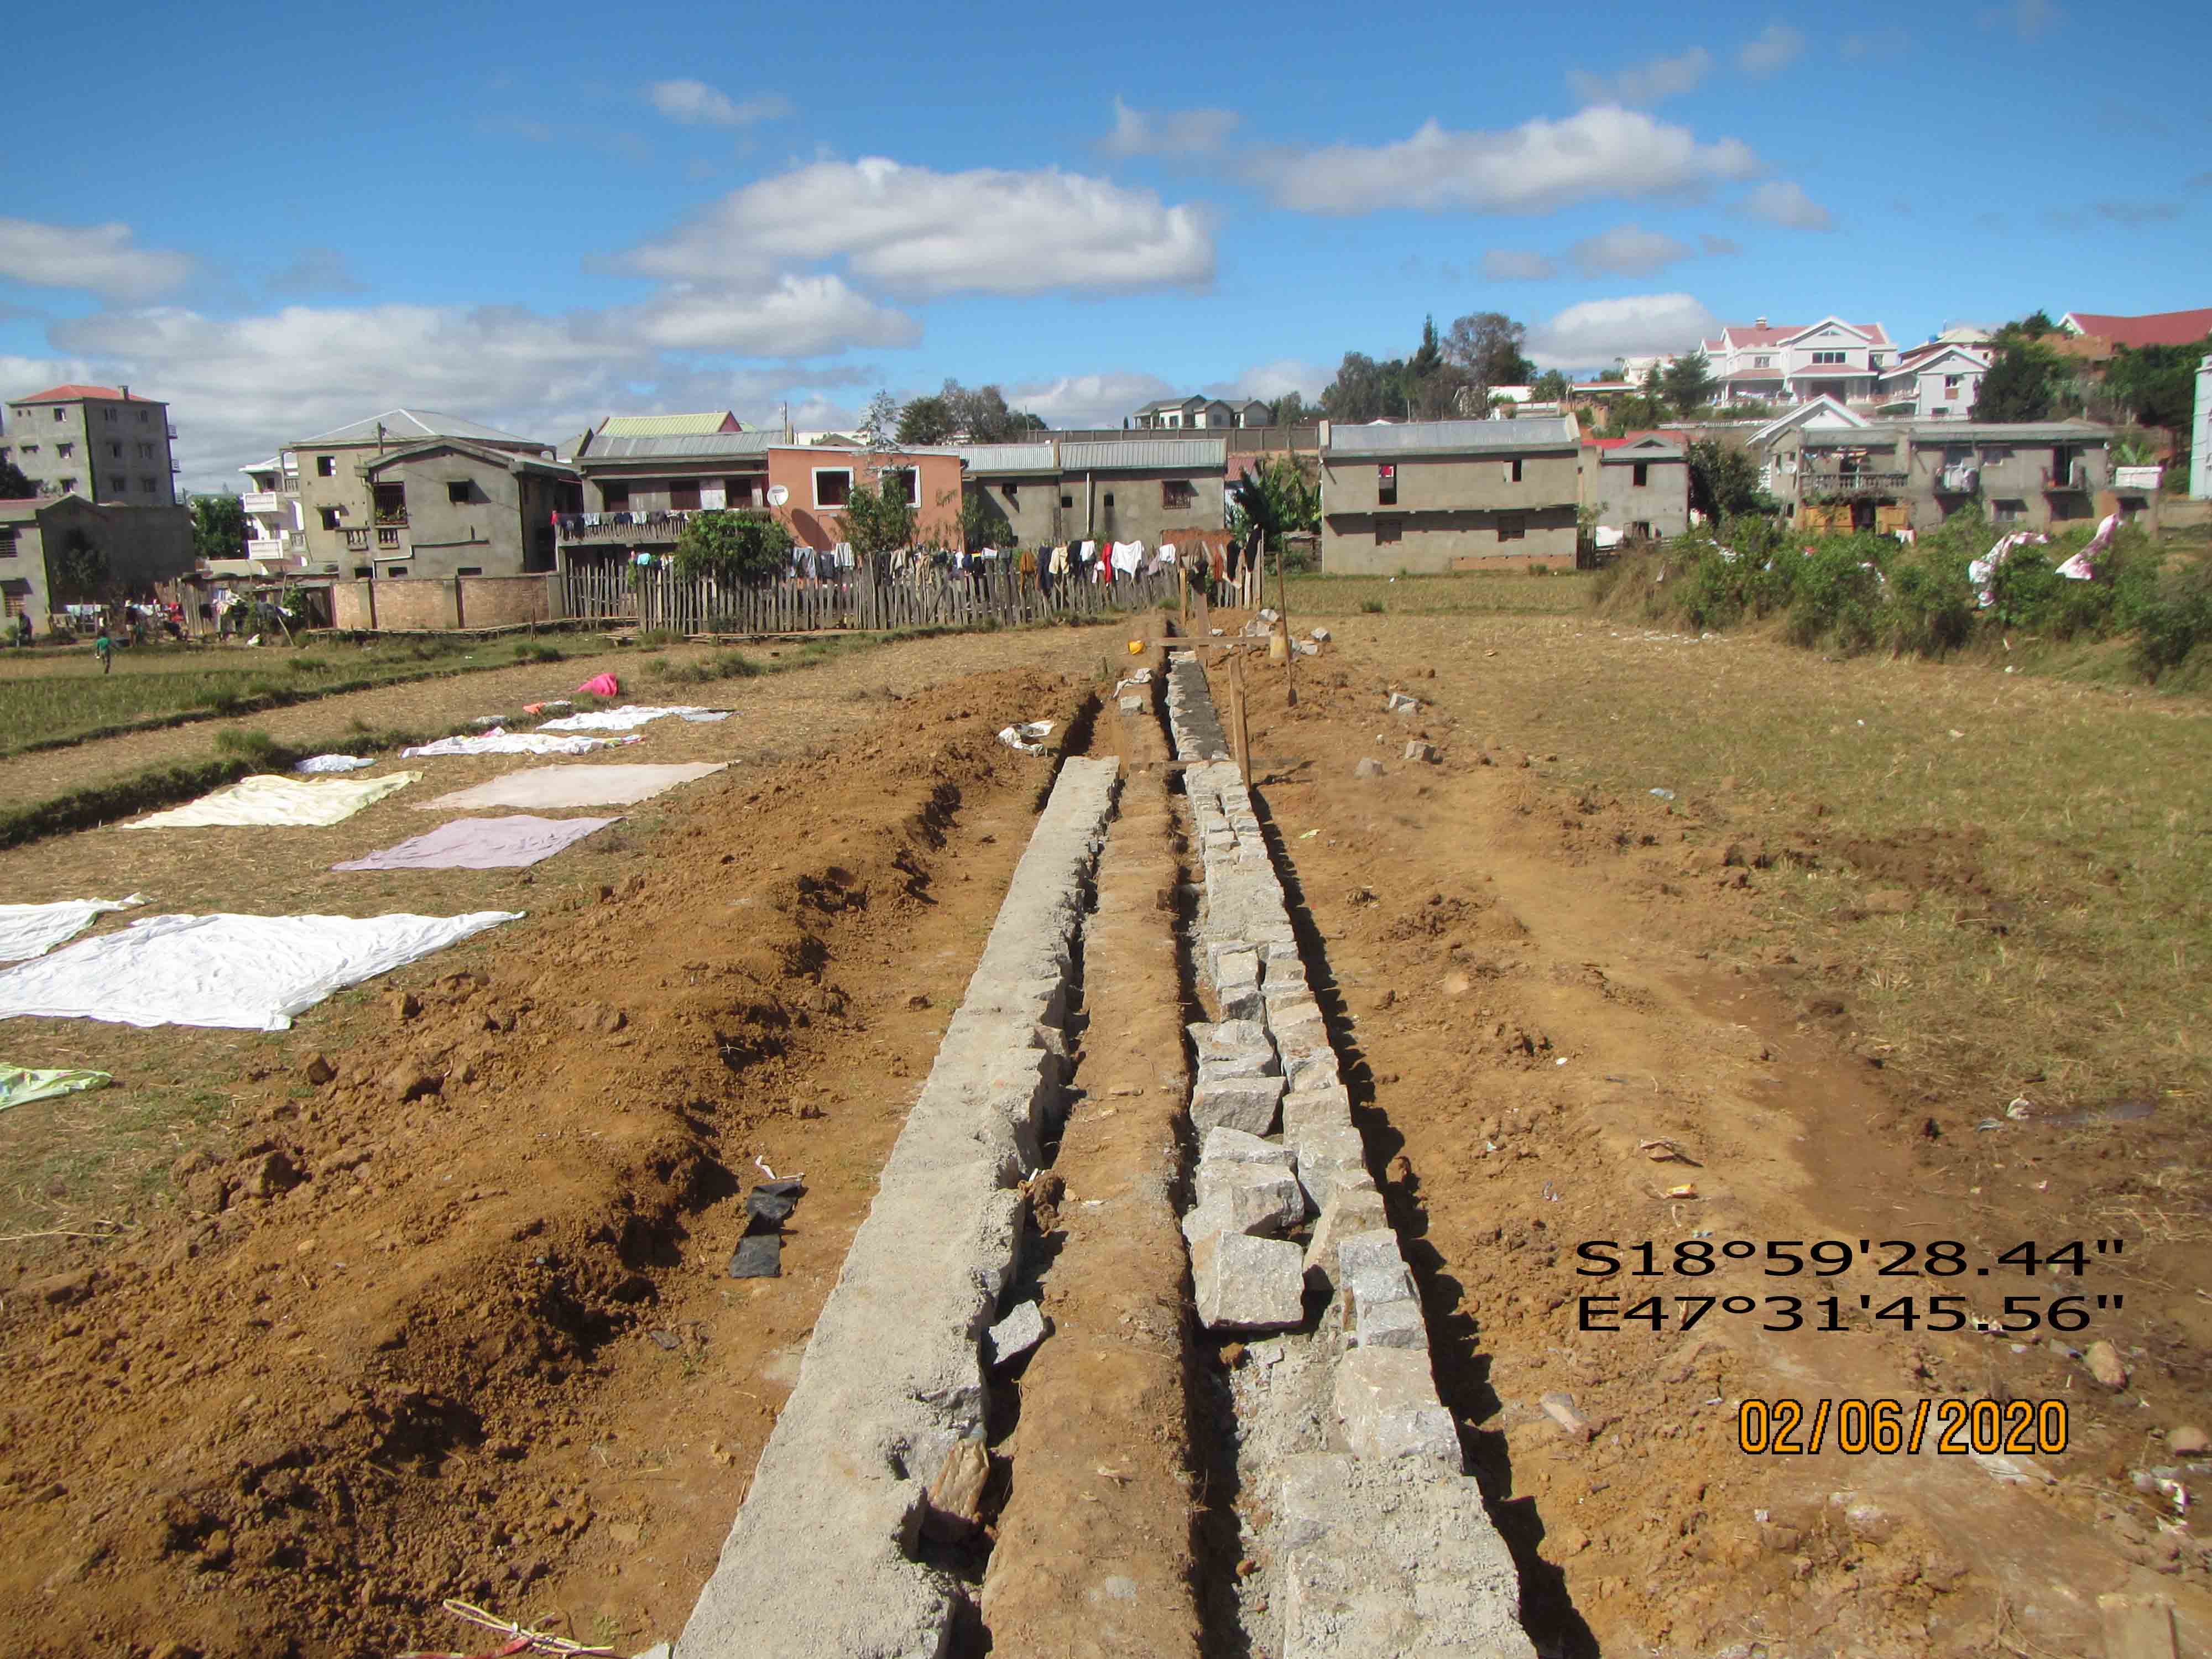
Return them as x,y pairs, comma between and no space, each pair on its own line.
402,424
1147,455
1454,437
665,426
679,446
1007,457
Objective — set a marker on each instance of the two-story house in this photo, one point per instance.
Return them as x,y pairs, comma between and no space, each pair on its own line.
1638,485
1195,413
1938,381
1425,496
412,493
1794,363
640,489
1149,489
1885,475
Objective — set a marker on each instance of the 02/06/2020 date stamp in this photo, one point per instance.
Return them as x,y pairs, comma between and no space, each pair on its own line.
1855,1428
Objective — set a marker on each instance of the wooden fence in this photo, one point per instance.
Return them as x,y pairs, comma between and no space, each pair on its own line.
655,598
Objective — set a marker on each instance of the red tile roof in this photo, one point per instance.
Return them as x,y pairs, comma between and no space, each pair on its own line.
1632,437
1737,334
70,394
2154,328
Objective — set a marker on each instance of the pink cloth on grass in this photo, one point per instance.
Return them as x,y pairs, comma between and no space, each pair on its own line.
600,685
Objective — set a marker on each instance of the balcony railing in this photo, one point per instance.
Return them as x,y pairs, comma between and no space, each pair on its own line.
1815,485
625,527
394,516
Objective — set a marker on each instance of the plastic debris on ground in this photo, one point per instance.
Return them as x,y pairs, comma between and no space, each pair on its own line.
1030,739
18,1086
759,1254
315,763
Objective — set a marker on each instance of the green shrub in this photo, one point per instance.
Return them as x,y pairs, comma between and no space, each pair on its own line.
2177,621
1373,607
1927,607
529,651
255,747
1838,597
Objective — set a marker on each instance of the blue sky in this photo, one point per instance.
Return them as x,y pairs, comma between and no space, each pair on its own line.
537,218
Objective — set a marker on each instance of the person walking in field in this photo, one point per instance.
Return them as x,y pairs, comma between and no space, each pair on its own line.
104,648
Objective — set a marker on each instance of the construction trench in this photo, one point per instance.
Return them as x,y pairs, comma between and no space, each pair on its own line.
1129,1194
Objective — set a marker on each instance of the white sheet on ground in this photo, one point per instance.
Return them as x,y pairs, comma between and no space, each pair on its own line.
265,800
622,719
508,843
499,742
541,787
332,764
239,972
32,930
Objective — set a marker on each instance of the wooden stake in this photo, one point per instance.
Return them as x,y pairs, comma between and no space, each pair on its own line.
1283,622
1240,735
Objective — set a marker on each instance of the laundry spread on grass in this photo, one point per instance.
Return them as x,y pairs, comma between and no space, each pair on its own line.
498,741
622,719
267,802
332,764
232,972
32,930
538,787
18,1086
508,843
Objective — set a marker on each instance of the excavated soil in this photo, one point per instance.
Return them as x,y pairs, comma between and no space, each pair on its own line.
445,1312
1574,1022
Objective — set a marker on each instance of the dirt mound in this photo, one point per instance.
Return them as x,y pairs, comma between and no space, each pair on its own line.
419,1333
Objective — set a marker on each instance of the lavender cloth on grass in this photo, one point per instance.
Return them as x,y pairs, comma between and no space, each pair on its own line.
506,843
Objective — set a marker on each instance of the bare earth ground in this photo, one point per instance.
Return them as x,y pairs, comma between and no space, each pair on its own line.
1544,968
360,1351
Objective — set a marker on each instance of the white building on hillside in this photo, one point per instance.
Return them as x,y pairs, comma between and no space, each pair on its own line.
1795,363
1937,381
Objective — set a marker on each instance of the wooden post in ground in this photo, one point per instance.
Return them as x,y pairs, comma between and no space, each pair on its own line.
1283,622
1240,733
1183,574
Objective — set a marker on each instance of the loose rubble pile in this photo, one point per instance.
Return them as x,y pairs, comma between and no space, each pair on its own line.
1376,1539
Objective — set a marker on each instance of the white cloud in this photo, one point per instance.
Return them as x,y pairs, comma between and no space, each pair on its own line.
696,104
1778,48
240,387
1643,83
918,231
1628,251
97,259
1717,246
1534,167
317,271
1102,399
1592,334
1786,204
1506,264
1275,379
800,317
1171,132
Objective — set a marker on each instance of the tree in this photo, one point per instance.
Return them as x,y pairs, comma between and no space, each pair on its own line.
1689,383
1293,409
14,485
1360,394
879,424
1551,386
2157,385
1279,498
80,571
218,527
1487,345
926,420
1724,481
733,546
2020,386
881,515
1633,412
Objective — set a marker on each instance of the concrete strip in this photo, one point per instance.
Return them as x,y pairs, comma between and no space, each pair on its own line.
820,1561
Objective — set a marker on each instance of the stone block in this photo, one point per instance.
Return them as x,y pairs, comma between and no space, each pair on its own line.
1250,1199
1215,1070
1423,752
1305,1110
1352,1209
1240,1000
1014,1335
1229,1039
1311,1067
1399,703
1312,1497
1247,1284
1396,1324
1325,1157
1230,1146
1248,1103
1386,1400
1238,967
